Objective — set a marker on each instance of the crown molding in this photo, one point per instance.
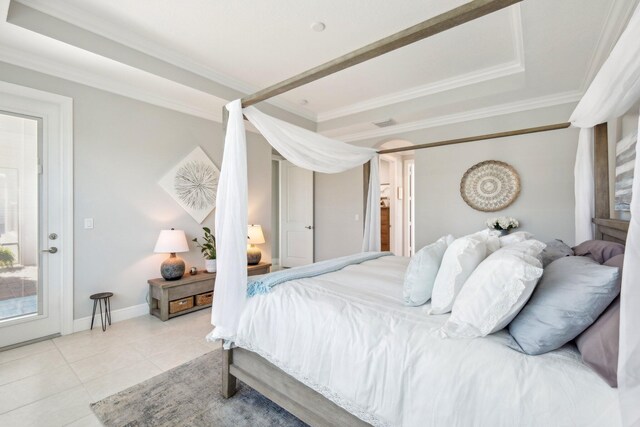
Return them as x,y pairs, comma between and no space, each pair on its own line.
87,22
481,113
616,21
39,64
501,70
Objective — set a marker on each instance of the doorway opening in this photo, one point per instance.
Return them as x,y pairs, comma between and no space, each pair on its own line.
397,197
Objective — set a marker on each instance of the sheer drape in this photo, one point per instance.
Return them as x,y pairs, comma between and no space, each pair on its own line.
584,186
304,149
613,92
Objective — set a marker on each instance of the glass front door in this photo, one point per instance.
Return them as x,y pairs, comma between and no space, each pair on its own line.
20,292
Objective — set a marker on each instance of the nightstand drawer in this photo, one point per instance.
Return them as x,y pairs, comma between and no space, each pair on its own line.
180,305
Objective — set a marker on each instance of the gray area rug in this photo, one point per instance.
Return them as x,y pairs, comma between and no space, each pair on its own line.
189,395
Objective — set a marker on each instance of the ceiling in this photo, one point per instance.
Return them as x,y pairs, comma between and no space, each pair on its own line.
194,55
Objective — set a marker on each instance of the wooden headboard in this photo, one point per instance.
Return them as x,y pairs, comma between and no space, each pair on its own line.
613,230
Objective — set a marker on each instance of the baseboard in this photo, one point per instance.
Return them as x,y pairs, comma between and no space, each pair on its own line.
119,315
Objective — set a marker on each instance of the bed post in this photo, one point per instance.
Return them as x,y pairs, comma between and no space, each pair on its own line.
366,172
228,380
601,175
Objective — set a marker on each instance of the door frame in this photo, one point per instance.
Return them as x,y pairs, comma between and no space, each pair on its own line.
56,112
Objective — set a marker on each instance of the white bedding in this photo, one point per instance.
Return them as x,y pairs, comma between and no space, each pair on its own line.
348,335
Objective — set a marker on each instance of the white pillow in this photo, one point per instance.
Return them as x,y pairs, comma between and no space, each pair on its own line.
459,261
422,270
491,238
496,291
517,237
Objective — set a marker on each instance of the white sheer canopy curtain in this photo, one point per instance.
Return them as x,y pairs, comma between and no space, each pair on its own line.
612,93
304,149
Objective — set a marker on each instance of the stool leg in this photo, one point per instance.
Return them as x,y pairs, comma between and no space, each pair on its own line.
102,319
109,310
94,313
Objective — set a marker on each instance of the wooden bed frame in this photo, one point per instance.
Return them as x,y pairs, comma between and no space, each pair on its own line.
280,387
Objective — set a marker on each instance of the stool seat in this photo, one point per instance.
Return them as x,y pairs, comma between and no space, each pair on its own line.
99,300
101,295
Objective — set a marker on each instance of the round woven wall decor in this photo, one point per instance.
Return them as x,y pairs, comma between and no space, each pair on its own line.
490,186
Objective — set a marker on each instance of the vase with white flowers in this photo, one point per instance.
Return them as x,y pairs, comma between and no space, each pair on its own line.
208,249
503,224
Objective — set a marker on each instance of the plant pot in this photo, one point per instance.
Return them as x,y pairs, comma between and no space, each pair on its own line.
210,265
504,232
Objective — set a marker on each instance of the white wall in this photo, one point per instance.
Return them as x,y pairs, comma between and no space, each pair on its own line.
122,147
545,162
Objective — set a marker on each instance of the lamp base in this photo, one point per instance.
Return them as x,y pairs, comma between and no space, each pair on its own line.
253,255
172,268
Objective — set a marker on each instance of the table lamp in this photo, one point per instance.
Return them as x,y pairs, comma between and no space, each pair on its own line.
171,242
255,237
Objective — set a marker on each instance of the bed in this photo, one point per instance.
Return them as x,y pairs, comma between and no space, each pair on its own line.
343,349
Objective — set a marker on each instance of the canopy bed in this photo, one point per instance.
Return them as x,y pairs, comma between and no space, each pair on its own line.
317,319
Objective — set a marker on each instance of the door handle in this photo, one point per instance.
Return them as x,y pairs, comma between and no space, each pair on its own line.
51,250
309,227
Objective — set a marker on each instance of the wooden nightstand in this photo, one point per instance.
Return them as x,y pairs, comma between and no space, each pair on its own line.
173,298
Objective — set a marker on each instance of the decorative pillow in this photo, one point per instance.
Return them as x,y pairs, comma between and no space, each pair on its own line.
555,249
491,239
573,292
496,291
422,270
600,250
599,344
459,261
517,237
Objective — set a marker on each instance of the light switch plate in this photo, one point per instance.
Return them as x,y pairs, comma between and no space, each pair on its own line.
88,223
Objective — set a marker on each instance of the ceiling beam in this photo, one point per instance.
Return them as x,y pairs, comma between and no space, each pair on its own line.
477,138
460,15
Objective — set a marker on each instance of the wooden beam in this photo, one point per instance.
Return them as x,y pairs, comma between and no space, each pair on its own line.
477,138
428,28
601,171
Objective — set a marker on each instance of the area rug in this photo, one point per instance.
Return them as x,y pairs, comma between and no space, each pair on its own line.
189,395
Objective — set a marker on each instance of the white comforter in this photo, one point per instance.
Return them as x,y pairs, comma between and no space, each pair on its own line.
347,335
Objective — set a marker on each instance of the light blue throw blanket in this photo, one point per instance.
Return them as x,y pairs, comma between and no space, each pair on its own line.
263,284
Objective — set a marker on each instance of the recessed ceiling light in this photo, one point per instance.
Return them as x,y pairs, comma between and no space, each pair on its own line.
318,27
303,102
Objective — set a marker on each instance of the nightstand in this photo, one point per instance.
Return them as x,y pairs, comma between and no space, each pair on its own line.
173,298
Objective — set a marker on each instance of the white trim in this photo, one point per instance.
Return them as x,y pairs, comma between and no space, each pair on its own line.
616,21
65,128
481,113
275,262
490,73
75,16
84,323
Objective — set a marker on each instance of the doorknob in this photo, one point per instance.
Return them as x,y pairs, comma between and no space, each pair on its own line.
51,250
309,227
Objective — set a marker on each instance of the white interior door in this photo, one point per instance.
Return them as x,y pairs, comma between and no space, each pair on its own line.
34,302
296,215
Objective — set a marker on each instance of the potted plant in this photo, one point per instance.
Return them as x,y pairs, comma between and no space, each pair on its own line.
208,249
503,224
6,257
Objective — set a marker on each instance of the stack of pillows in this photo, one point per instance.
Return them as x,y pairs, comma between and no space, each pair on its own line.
544,294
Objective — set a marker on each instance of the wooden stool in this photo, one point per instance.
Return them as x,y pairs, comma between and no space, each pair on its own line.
100,299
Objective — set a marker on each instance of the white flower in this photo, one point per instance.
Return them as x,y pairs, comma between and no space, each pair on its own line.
502,223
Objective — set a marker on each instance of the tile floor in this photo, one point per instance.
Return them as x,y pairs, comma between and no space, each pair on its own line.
51,383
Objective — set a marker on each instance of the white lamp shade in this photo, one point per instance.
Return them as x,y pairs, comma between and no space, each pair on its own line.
256,237
171,241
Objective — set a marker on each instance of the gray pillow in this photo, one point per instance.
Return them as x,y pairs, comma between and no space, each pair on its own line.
555,249
571,295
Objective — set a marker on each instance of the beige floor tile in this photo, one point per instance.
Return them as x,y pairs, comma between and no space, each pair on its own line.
36,387
85,344
179,355
121,379
30,365
108,361
88,421
57,410
26,350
